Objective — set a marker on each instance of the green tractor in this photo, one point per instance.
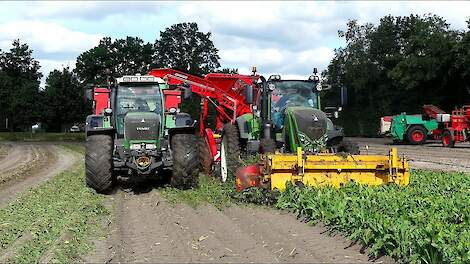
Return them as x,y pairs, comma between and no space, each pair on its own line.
134,136
290,116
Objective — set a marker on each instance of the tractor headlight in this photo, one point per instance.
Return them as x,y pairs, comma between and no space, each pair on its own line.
135,146
150,146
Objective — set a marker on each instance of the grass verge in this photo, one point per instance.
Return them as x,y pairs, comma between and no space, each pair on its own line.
58,218
37,137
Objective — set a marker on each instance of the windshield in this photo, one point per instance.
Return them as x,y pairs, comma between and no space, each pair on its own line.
291,93
136,98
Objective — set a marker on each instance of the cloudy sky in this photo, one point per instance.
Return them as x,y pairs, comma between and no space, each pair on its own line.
278,37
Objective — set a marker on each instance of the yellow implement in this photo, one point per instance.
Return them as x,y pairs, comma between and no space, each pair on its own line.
335,170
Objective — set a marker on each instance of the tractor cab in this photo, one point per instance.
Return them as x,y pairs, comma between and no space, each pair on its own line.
138,110
291,93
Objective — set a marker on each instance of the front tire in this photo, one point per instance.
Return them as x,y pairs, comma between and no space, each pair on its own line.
99,162
185,161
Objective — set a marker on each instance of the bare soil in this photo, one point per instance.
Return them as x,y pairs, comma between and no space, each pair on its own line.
28,164
146,228
431,156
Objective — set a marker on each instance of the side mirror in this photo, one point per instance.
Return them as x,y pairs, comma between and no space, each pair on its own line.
249,94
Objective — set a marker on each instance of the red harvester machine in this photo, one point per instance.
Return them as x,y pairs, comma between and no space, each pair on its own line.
455,127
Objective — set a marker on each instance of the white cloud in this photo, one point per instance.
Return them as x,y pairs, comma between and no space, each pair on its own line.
49,65
279,37
46,37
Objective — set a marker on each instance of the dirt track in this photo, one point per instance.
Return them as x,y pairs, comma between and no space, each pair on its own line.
148,229
429,156
24,165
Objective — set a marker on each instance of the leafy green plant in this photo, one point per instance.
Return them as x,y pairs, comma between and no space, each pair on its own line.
425,222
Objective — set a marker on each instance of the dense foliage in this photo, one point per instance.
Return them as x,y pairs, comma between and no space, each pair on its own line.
425,222
398,65
60,104
182,46
114,58
64,99
19,87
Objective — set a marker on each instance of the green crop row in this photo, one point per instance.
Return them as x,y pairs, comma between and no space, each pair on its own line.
425,222
53,222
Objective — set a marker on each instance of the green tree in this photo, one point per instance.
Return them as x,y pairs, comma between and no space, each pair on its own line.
19,86
182,46
395,66
65,100
114,58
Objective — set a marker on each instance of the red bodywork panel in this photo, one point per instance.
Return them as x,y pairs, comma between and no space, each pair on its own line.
432,111
100,99
225,91
172,99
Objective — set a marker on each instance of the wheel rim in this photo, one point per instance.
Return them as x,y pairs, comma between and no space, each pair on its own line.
417,136
223,161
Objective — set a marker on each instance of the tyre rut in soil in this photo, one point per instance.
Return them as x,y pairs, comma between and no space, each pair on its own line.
185,161
347,146
99,162
416,135
232,148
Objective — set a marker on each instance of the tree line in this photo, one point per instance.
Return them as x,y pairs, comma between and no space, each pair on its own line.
62,102
394,66
398,65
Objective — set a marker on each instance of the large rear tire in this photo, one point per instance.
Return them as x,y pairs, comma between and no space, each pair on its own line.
416,135
229,152
185,161
99,162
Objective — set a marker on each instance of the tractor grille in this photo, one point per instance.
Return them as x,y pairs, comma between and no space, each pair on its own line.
311,122
141,127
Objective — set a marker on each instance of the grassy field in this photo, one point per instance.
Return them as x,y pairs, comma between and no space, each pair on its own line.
53,222
36,137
